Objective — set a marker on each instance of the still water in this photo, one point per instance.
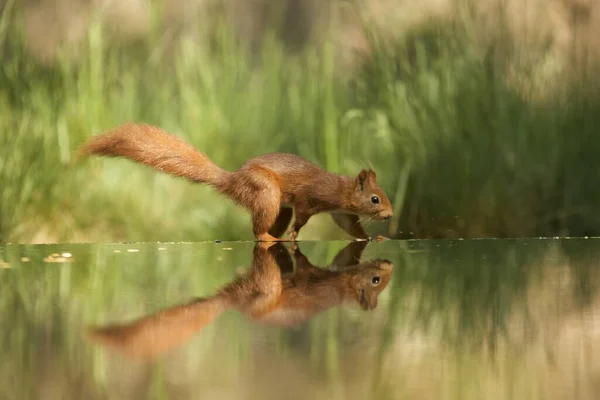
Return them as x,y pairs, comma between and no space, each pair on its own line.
476,319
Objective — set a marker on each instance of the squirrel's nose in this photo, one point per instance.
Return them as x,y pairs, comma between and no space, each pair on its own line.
386,214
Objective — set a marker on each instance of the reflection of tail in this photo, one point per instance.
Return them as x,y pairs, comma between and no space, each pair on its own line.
151,336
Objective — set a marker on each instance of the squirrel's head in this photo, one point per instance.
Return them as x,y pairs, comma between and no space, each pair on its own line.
369,279
369,199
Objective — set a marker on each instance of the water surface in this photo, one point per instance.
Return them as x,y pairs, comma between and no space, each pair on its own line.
493,319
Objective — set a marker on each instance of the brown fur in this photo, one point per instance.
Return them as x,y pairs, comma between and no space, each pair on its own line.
266,185
263,294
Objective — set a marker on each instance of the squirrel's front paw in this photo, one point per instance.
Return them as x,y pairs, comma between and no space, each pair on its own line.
293,235
292,246
378,239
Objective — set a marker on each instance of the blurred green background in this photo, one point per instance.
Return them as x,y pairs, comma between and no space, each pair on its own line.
480,117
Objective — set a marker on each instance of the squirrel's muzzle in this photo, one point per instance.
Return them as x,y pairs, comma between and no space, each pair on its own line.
383,215
367,302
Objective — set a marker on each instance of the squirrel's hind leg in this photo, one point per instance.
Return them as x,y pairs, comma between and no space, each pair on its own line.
282,222
264,202
265,237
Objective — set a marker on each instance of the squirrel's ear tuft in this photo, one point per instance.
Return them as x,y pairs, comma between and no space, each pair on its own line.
361,179
372,175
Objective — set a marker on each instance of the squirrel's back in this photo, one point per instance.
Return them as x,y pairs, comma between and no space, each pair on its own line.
293,173
283,164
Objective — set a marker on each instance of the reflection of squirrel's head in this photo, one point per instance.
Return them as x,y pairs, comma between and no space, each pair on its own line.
369,279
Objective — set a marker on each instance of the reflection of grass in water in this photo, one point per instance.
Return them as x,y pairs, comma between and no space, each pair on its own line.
32,303
583,259
46,305
463,290
490,317
455,296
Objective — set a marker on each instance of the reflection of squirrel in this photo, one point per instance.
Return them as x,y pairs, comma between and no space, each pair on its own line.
269,186
262,294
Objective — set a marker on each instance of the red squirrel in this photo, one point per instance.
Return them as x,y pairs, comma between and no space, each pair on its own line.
271,186
264,294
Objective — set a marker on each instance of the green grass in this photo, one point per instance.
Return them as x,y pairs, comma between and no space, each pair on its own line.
487,161
460,151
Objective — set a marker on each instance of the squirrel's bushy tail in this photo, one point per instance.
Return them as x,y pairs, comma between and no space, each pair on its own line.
156,334
158,149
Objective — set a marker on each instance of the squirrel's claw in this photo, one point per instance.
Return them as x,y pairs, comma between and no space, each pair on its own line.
378,239
293,235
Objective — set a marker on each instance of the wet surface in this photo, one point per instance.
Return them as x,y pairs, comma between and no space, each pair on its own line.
494,319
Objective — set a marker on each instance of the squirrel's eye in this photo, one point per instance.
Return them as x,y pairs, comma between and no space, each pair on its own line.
375,280
374,199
